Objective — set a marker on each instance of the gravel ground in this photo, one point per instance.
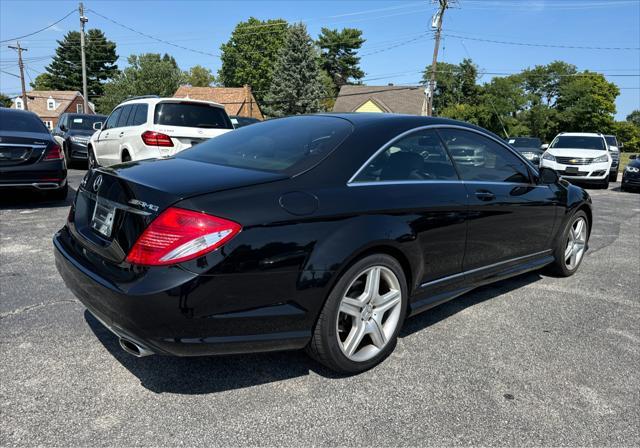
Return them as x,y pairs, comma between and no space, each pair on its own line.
534,360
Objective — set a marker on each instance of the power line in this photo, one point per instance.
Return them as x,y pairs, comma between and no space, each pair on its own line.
40,30
528,44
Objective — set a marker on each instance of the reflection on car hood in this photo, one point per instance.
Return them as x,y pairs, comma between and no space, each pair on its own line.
576,152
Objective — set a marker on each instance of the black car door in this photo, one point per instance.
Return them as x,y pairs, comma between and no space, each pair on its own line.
415,178
510,215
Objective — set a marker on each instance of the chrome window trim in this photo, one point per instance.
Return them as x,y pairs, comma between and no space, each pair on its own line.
352,182
482,268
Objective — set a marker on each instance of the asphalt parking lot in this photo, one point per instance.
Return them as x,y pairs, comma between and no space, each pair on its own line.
534,360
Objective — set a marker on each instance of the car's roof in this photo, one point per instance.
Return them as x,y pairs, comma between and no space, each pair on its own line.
155,101
360,118
17,111
580,134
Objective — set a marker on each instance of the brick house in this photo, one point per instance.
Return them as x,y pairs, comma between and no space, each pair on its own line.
50,104
390,99
236,100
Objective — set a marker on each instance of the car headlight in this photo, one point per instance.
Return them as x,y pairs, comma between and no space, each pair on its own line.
79,139
529,155
604,158
549,157
632,169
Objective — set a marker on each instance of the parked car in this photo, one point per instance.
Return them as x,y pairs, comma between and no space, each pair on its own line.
73,132
614,150
579,156
631,175
318,231
29,156
529,147
239,121
152,127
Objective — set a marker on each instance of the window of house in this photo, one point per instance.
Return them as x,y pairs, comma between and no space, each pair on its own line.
418,156
51,104
80,108
479,158
19,103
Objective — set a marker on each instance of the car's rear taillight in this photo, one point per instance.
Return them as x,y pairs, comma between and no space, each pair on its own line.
178,235
152,138
53,153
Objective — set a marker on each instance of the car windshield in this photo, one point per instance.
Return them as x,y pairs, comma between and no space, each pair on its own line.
525,142
84,123
192,115
579,142
287,145
611,140
20,122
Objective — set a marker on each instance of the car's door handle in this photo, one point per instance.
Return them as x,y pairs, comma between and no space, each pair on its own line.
485,195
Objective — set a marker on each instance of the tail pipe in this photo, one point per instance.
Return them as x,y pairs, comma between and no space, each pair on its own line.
134,349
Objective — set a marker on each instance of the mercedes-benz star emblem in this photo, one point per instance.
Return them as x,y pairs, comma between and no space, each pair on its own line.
97,183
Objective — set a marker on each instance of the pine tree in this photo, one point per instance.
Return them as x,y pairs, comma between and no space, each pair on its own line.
338,56
296,87
65,70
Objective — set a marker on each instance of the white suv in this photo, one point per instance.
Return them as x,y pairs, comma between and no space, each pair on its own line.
579,156
153,127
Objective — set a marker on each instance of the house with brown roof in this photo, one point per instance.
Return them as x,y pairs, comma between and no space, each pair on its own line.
236,100
390,99
50,104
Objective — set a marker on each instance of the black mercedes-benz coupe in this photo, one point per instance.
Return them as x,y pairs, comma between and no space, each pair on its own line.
320,231
29,157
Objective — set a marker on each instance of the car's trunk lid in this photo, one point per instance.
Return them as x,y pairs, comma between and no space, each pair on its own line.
185,137
114,205
22,148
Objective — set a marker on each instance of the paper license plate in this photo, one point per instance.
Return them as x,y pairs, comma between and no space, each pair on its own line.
102,220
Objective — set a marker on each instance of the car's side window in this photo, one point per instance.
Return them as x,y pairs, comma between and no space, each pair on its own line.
140,116
124,116
479,158
113,119
418,156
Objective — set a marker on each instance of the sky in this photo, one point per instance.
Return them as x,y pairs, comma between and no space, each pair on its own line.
399,41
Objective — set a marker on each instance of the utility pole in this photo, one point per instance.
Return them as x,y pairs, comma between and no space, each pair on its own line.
19,49
444,4
83,20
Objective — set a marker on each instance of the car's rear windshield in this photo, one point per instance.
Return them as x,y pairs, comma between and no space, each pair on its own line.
611,140
525,142
192,115
84,123
578,142
20,122
287,145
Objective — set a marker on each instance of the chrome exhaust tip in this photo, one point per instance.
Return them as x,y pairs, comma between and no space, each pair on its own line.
134,349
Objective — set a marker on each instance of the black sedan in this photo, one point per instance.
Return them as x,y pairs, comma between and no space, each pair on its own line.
73,133
29,157
631,175
320,231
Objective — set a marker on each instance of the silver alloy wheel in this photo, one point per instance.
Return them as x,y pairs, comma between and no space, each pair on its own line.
576,243
369,313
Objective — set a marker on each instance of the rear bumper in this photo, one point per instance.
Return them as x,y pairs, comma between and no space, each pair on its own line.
47,175
161,309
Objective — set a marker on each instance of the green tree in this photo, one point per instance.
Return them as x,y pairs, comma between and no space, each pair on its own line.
634,117
250,54
455,84
147,74
5,101
65,70
338,55
296,87
329,91
198,76
586,102
629,134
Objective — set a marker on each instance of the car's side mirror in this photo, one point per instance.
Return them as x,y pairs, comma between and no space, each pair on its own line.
97,125
544,147
548,176
63,128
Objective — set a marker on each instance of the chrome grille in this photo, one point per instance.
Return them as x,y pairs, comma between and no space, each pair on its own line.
574,160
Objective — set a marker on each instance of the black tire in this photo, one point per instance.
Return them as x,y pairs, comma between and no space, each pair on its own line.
92,161
559,266
604,184
126,157
59,194
613,177
324,342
